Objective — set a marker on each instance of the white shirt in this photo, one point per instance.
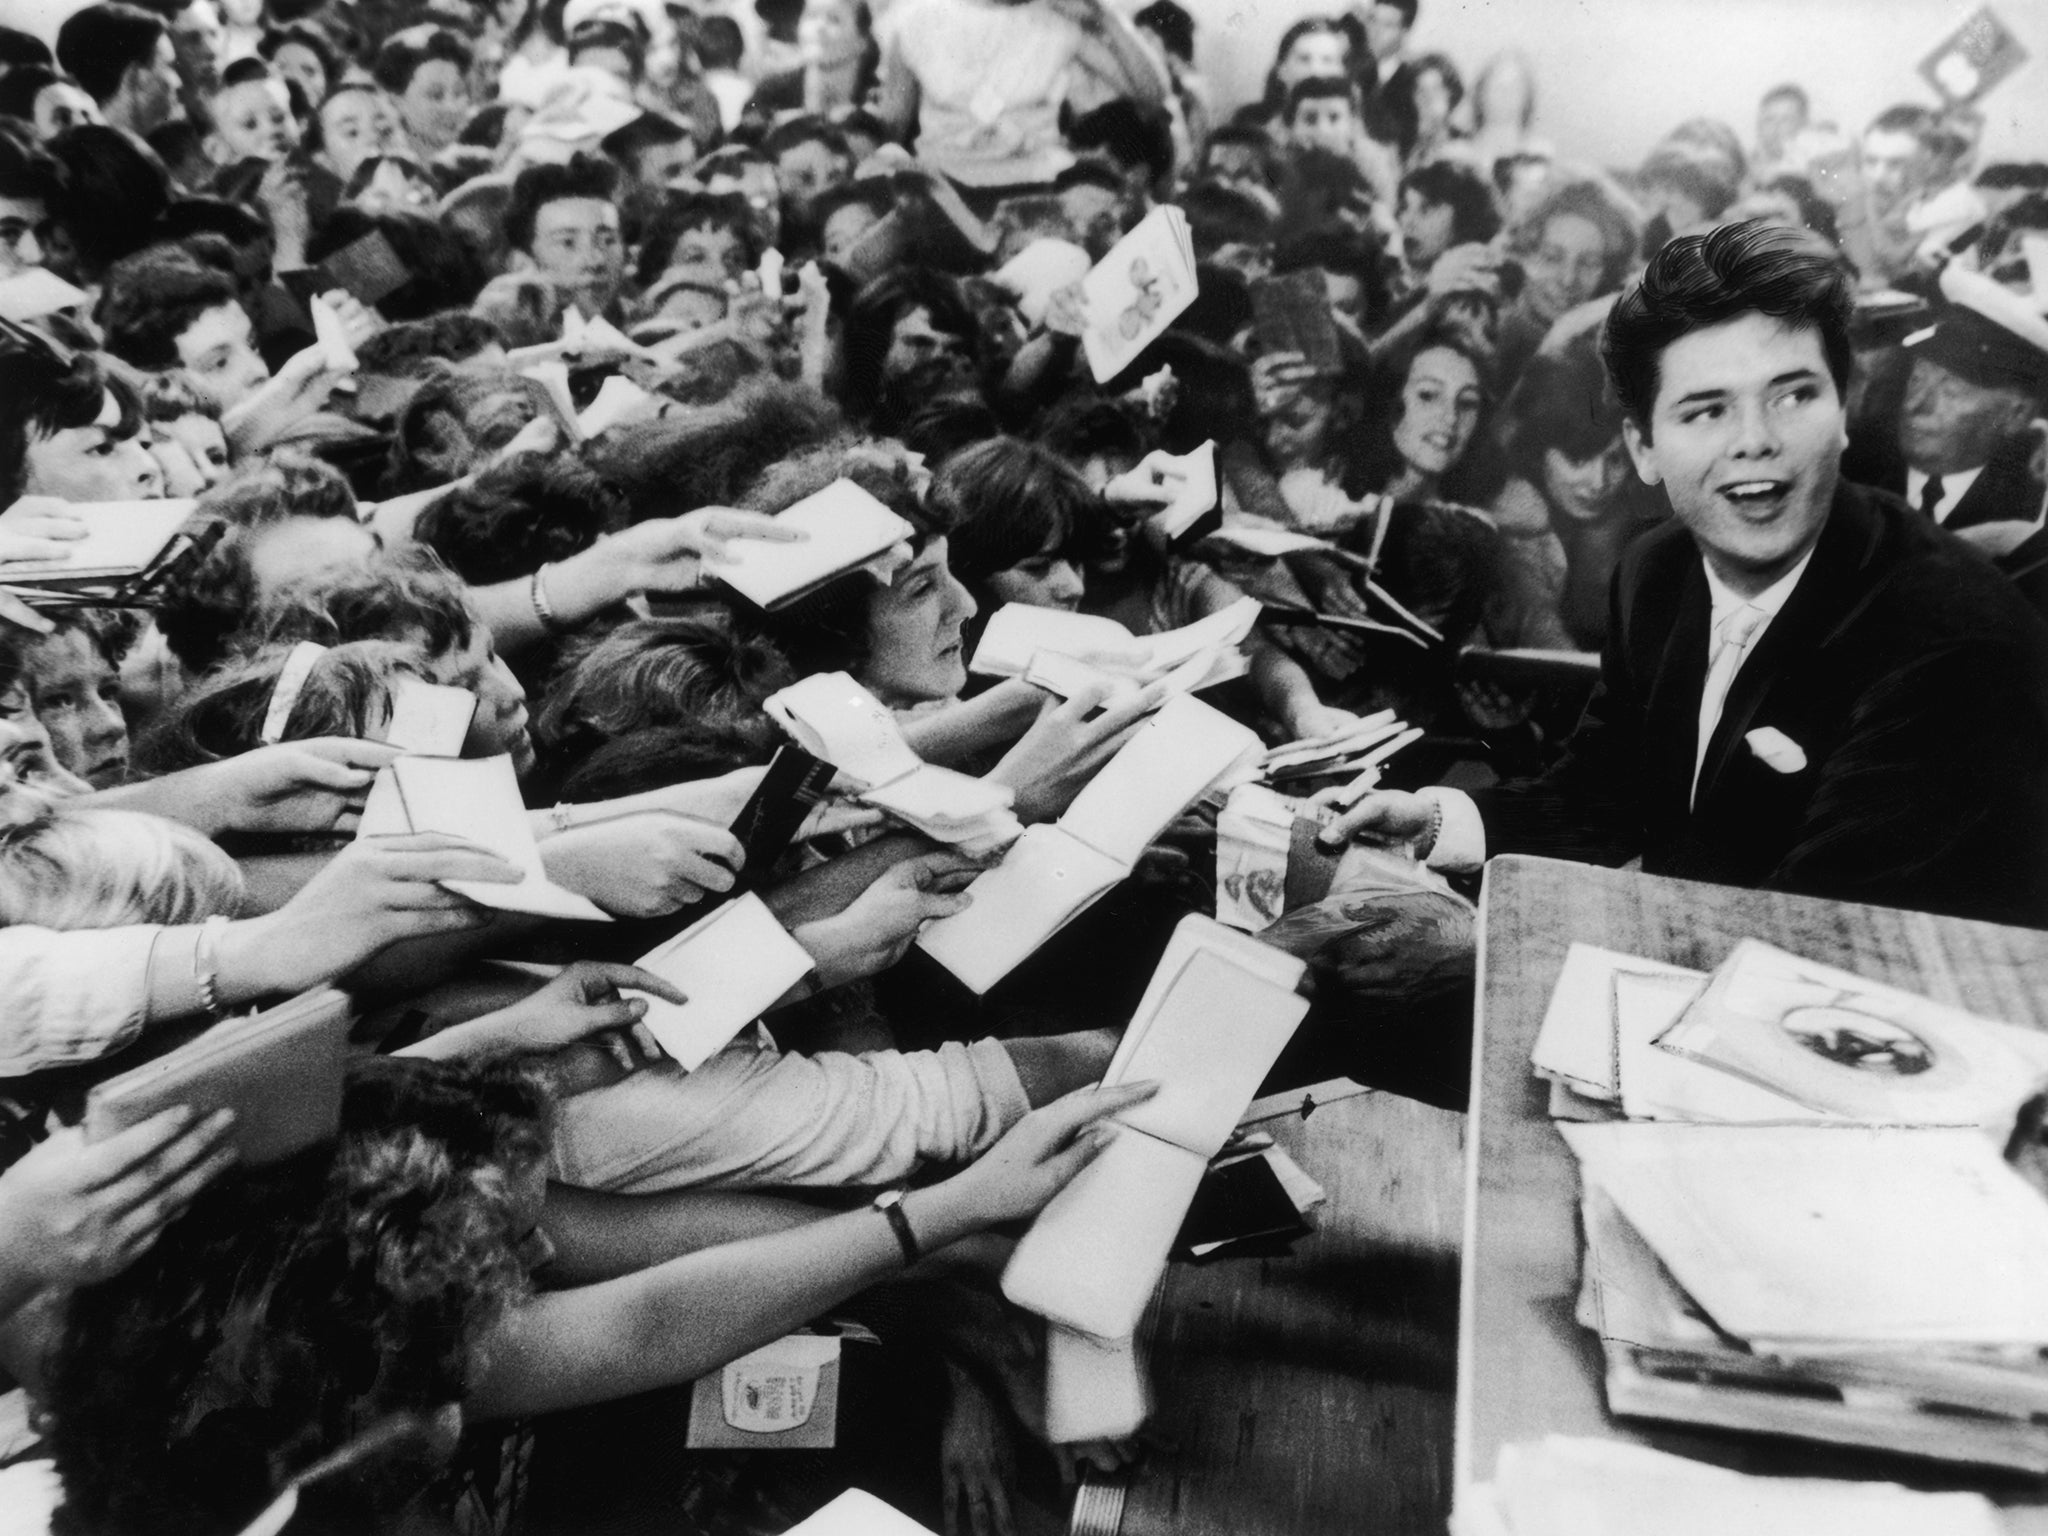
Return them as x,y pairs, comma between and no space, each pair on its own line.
1461,837
1953,488
1725,602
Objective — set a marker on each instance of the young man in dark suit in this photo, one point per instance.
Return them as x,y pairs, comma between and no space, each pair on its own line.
1806,686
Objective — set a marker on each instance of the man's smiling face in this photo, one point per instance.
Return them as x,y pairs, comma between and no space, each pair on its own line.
1746,438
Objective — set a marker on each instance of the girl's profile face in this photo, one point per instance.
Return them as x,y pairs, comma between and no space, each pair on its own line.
915,648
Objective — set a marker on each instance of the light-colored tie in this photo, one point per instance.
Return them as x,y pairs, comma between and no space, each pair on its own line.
1731,643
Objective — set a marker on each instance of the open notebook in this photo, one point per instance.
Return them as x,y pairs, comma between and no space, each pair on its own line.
476,799
1214,1018
122,538
732,964
845,529
1025,641
832,717
1054,873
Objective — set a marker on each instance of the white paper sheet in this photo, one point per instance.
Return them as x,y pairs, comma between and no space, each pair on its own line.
1095,1389
733,964
121,537
857,1513
1576,1041
478,799
846,527
1162,770
1817,1235
429,718
1047,879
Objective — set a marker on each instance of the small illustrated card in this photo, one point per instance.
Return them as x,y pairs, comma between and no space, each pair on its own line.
1139,289
782,1396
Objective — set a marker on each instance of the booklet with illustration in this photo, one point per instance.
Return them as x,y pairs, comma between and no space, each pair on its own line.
1139,289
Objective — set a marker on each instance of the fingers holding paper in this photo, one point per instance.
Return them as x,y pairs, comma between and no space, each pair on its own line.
1041,1153
1382,818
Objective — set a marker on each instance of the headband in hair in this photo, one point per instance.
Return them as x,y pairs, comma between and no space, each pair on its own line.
291,682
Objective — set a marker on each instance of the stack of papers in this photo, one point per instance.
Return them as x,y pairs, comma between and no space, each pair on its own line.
1803,1226
845,529
832,717
1062,651
1351,751
1874,1286
1774,1037
1139,289
1216,1015
1564,1486
1054,873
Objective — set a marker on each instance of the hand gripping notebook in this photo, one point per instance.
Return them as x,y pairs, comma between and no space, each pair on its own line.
279,1071
846,530
1054,873
476,799
832,717
1214,1018
122,538
732,964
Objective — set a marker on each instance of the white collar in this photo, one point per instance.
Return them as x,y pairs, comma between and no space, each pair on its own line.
1954,487
1771,599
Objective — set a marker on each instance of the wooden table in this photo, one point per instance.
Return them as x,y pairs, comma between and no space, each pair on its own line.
1525,1368
1312,1393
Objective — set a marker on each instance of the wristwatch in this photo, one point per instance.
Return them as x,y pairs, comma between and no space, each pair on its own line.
890,1203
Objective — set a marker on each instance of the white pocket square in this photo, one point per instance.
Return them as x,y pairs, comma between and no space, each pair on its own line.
1777,750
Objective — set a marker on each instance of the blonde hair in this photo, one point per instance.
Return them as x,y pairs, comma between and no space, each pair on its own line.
97,868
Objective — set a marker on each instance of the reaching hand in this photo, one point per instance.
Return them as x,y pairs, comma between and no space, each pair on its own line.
72,1214
1278,378
299,388
39,528
1041,1153
1466,269
581,1002
1064,749
879,926
646,864
375,892
1384,818
317,785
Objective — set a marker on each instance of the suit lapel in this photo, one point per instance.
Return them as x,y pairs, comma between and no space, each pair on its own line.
2005,491
1671,709
1831,587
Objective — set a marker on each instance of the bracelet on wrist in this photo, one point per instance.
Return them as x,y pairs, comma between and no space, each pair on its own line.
890,1203
206,963
1426,845
543,610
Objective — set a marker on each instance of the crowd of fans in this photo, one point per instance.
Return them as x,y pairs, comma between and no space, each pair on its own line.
821,243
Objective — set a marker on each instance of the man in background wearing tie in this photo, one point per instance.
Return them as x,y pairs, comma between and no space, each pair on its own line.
1806,686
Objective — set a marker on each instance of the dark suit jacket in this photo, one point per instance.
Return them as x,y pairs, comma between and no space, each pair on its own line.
1390,114
2004,491
1908,671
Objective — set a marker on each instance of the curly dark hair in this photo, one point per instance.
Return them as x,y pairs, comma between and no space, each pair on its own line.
708,457
292,1306
700,676
1475,478
517,516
